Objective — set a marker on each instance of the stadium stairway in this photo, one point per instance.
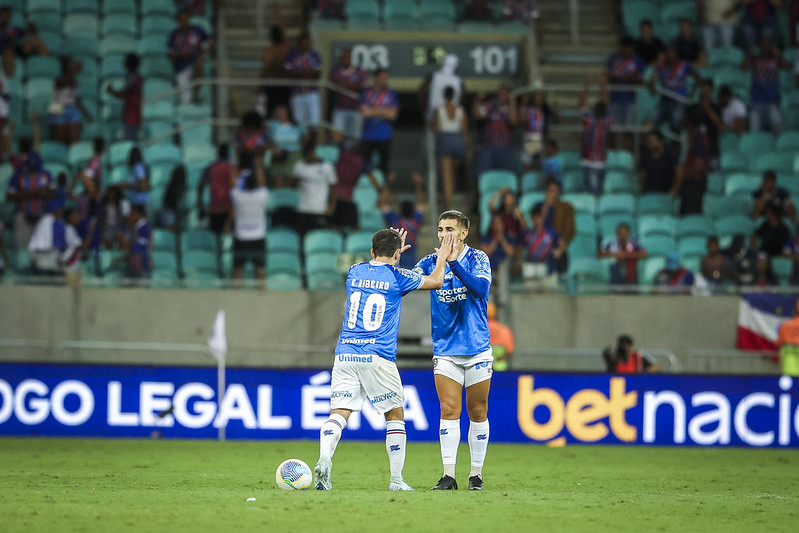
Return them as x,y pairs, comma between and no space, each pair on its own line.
567,62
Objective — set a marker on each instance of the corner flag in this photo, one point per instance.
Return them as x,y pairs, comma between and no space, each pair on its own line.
217,341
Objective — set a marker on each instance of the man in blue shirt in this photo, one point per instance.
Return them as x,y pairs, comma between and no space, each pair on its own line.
462,356
186,48
366,353
765,90
379,106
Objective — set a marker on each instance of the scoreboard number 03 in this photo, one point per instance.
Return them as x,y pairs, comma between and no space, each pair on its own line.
370,57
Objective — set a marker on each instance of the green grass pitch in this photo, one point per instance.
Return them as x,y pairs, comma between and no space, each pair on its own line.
162,485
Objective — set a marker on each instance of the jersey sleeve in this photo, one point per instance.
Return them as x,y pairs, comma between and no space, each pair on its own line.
480,265
393,101
426,265
407,280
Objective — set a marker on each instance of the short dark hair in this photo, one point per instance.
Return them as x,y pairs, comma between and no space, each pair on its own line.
769,175
137,208
449,92
380,71
553,181
535,211
99,145
385,242
309,147
645,22
246,160
725,90
132,62
624,339
707,81
623,225
252,120
552,143
455,215
628,42
223,152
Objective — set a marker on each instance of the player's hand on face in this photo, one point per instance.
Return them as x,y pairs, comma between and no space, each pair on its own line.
453,254
403,234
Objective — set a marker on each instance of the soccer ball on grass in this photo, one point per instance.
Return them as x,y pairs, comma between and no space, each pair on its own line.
293,474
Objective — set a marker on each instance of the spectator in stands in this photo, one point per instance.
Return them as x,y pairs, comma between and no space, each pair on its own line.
286,139
67,108
716,267
733,112
452,142
350,167
497,244
788,342
624,252
30,187
10,37
304,63
691,181
194,7
502,340
317,181
626,69
550,164
410,216
533,119
759,20
648,47
541,247
186,48
499,116
252,136
89,201
137,244
791,251
171,211
658,165
771,234
3,251
688,46
273,67
113,214
765,69
379,108
432,90
524,11
596,132
138,184
478,10
55,245
559,217
744,261
673,75
674,276
131,94
249,218
332,9
718,18
708,115
32,44
217,177
347,119
503,203
626,360
6,129
770,195
549,112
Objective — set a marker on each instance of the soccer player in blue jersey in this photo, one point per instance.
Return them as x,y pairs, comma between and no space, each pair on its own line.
366,353
462,356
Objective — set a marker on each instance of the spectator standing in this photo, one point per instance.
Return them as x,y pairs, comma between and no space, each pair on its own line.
137,244
89,202
624,252
252,137
138,184
500,116
186,48
626,360
439,81
273,67
688,46
3,251
771,234
745,262
347,121
317,180
542,247
497,244
550,164
765,69
596,132
452,141
10,36
285,139
217,177
674,276
673,75
30,187
55,245
66,108
524,11
171,212
558,216
715,266
32,43
718,18
759,20
477,10
113,216
708,115
332,9
379,108
626,69
409,218
6,131
131,94
770,195
533,120
648,47
503,203
733,112
304,63
249,219
691,181
349,168
658,165
502,340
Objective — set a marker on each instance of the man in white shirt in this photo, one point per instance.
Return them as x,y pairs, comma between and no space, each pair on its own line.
733,112
249,218
316,179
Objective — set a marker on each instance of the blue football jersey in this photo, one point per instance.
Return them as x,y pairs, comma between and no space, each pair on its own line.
459,318
374,294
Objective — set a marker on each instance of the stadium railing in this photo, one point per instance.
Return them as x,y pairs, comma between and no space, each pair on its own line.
583,359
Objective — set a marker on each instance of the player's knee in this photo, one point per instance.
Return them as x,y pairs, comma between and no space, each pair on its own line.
450,409
478,412
394,414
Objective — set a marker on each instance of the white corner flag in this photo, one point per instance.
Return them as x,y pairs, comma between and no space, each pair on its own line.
217,341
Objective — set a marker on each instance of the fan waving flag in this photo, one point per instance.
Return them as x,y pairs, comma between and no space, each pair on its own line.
759,318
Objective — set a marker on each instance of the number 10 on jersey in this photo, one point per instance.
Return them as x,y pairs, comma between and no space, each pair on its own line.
373,310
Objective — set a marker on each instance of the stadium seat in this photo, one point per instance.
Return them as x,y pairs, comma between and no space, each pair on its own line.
322,241
582,203
734,225
754,143
582,246
79,24
362,10
119,152
437,10
282,198
81,6
37,88
200,261
82,46
695,226
164,261
162,110
609,223
325,281
692,246
725,57
739,183
655,204
493,180
569,161
573,181
160,174
322,262
36,7
788,142
717,207
114,7
672,12
526,204
400,10
472,27
116,44
52,151
283,282
154,67
648,269
365,199
198,155
43,67
658,245
588,270
620,160
779,162
623,204
198,240
164,240
372,220
283,240
585,225
734,162
657,225
634,12
728,142
118,175
783,269
51,39
282,263
619,182
152,45
358,244
156,7
530,182
328,153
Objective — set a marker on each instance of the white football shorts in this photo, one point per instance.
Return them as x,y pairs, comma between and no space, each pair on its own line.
360,377
466,370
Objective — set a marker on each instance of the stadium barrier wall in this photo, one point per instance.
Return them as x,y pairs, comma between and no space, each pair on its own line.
258,318
554,409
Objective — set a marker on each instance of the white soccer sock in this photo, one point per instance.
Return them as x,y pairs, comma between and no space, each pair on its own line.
478,444
330,434
395,446
449,435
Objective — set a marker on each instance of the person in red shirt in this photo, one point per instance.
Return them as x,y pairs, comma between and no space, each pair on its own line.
217,176
131,94
626,360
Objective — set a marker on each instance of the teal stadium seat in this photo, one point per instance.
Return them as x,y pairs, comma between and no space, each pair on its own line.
582,246
656,203
740,183
617,181
754,143
788,142
53,151
323,262
112,65
165,261
198,240
359,244
282,198
585,225
717,207
118,7
695,226
328,153
81,45
152,45
725,57
620,160
526,204
118,175
362,10
162,110
79,24
573,181
531,181
493,180
648,269
119,152
200,264
658,245
588,270
783,269
734,225
779,162
634,12
156,7
582,203
51,39
437,10
734,162
728,142
322,242
692,246
609,223
672,12
650,225
283,240
283,282
617,204
43,67
37,7
569,161
282,263
164,240
198,155
154,67
81,6
157,26
116,44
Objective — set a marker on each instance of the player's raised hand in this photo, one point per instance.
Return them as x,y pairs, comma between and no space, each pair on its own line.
447,245
402,233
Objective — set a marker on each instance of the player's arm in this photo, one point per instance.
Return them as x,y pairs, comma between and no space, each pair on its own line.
475,284
436,278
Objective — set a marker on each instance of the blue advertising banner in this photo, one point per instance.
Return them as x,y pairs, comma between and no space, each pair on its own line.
125,401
